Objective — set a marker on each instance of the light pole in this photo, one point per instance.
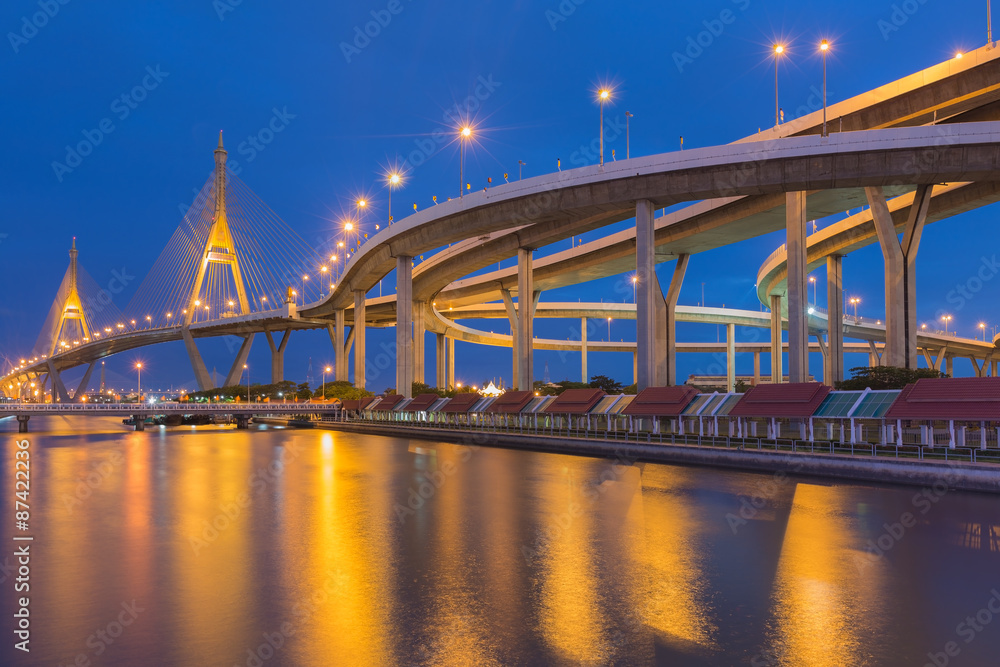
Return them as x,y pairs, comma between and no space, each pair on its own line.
854,302
247,369
520,163
394,180
947,319
824,46
635,279
778,50
138,368
603,95
609,329
464,136
989,23
628,114
812,279
325,371
982,327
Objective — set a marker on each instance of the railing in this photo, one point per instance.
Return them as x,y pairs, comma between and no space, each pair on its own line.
166,408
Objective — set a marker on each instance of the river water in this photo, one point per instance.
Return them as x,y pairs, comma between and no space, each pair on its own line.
211,546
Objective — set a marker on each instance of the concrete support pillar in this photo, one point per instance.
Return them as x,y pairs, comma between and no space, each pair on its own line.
278,355
833,368
731,356
756,368
525,319
441,357
236,370
419,327
673,293
22,423
646,294
946,366
798,287
993,365
900,273
404,325
777,373
201,375
508,303
359,338
81,388
451,363
59,392
339,348
583,351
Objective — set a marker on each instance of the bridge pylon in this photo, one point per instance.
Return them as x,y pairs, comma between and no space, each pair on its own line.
219,248
72,306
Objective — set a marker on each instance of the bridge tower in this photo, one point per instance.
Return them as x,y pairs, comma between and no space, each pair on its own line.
72,308
219,249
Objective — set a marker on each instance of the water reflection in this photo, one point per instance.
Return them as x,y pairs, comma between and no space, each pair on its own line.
283,547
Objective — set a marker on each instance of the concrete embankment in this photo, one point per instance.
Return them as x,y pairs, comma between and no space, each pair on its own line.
983,477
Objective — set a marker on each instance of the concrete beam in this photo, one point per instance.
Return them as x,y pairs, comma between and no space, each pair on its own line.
359,339
646,293
508,303
337,329
201,375
451,363
419,329
241,358
441,358
526,304
82,387
278,354
777,374
731,356
583,351
404,325
798,294
833,367
58,388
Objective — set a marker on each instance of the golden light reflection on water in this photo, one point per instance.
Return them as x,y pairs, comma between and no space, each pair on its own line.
677,588
823,601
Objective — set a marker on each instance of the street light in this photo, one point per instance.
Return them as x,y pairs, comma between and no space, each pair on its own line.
854,302
628,114
325,371
947,319
247,369
603,95
609,329
394,180
982,327
824,46
778,50
812,279
635,279
463,136
138,368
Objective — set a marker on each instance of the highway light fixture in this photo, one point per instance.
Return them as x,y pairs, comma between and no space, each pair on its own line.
824,46
779,49
603,95
946,319
464,135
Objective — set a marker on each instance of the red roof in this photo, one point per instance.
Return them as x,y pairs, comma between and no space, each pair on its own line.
389,402
358,404
422,402
661,401
461,403
511,402
963,399
800,399
576,401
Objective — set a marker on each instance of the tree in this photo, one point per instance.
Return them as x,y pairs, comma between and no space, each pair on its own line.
741,386
609,385
885,377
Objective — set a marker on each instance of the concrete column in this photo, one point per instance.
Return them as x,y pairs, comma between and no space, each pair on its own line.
777,374
442,350
236,370
525,319
635,367
404,325
278,355
993,371
756,368
451,363
419,327
339,349
201,375
900,273
645,295
798,294
59,392
833,369
673,292
731,356
946,366
508,303
583,351
359,338
81,389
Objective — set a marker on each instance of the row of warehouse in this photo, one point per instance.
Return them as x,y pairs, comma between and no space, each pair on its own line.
963,412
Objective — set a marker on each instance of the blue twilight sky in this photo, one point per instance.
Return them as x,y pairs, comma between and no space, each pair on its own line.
354,104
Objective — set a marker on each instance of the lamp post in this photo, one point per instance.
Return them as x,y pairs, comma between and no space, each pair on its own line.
464,135
138,368
824,46
947,319
609,329
778,50
326,370
520,163
982,327
812,279
247,369
854,302
603,95
635,279
394,180
628,114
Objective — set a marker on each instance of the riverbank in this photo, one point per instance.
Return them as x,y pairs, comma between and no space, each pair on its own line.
983,477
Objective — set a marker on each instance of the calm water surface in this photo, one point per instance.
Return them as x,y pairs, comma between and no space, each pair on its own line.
211,546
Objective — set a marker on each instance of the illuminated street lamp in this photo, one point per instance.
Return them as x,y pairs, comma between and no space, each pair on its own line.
603,95
778,50
138,368
946,319
609,329
824,46
628,114
394,180
463,136
854,302
812,279
635,279
325,371
247,369
982,327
